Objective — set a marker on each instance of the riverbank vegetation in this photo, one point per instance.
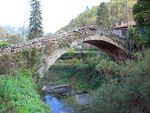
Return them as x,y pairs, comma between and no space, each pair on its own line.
114,87
77,68
18,94
128,93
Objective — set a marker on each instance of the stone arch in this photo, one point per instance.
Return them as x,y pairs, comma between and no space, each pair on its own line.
102,42
111,49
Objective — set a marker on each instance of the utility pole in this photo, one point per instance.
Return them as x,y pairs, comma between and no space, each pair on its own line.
127,14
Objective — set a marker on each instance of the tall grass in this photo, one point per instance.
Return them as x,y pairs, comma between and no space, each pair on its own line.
18,94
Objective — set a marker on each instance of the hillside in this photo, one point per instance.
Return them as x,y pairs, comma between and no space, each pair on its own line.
88,17
115,11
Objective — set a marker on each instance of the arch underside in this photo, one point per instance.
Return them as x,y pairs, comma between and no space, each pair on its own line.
111,49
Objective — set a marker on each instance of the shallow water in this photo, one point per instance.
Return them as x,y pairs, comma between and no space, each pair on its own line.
56,105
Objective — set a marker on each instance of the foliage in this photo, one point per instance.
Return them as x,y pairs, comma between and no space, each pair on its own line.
35,26
131,94
88,17
76,54
134,41
114,13
109,98
71,68
72,71
117,11
3,44
107,68
103,15
141,11
18,94
31,59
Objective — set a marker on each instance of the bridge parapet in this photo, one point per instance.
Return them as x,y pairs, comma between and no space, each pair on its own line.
57,40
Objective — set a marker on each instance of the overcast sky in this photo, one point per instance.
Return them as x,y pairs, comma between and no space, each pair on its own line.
55,13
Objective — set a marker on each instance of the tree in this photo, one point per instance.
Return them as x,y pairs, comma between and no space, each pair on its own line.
141,11
103,15
35,25
117,11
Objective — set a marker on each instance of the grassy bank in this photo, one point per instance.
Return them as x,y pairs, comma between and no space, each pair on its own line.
18,94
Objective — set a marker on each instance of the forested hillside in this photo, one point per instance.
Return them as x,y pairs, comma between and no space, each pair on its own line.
88,17
114,10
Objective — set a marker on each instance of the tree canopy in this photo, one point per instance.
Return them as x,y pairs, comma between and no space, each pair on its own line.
141,11
103,15
35,25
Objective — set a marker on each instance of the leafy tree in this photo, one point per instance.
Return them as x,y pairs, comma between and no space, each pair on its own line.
35,26
117,10
103,15
141,11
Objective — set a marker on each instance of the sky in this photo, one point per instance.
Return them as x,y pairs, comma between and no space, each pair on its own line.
55,13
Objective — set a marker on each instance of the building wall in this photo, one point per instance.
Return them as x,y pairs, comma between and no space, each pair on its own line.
120,32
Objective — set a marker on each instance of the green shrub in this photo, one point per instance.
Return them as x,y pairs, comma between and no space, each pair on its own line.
107,68
18,94
3,44
134,40
131,94
138,81
30,59
109,99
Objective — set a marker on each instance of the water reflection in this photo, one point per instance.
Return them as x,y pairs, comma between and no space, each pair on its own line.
57,105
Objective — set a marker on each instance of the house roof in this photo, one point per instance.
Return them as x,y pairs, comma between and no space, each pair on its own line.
124,25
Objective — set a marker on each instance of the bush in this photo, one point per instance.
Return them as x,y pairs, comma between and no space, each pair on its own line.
109,99
18,94
107,68
131,94
31,59
134,40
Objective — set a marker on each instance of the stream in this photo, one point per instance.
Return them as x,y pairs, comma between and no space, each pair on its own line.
61,105
57,105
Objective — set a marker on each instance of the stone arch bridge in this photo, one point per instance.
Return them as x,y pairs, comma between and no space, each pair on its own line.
59,43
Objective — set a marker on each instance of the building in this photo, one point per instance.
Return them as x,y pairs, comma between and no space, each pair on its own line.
121,30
